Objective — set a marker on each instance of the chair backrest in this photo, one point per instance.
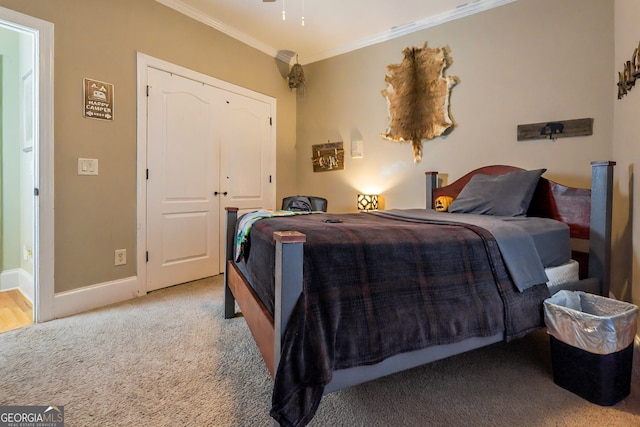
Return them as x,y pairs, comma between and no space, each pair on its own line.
304,203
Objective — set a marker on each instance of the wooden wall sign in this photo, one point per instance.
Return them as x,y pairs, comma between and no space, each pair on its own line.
555,129
328,157
98,100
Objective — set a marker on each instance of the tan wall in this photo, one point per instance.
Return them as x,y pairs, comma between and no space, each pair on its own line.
526,62
99,40
626,150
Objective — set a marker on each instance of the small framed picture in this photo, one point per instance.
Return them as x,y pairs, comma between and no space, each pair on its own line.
328,157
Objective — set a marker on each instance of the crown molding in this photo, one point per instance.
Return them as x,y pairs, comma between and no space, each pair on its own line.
196,14
395,32
461,11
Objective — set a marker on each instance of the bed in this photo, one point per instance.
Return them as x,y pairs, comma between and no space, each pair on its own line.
334,300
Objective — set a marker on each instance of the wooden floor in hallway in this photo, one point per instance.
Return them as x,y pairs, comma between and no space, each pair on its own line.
15,310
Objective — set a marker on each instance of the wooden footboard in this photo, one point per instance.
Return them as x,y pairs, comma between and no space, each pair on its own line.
265,328
255,313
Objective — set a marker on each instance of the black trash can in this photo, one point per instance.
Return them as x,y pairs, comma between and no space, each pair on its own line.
591,345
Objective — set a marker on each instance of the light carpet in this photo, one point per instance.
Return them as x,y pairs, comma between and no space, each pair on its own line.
170,359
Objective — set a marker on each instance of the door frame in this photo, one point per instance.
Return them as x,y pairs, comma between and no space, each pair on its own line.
43,251
143,63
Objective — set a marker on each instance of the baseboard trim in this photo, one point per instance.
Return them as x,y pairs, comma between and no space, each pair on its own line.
20,279
95,296
27,285
9,279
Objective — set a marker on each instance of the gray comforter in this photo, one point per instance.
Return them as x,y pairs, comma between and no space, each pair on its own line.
516,244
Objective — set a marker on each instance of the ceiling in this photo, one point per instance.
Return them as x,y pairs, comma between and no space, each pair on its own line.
332,27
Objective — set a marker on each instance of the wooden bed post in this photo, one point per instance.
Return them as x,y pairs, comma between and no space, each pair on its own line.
229,300
288,275
432,183
600,231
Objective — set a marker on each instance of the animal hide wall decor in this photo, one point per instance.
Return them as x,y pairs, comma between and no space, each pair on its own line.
417,95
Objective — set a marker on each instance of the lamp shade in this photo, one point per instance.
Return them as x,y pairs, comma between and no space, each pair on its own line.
367,202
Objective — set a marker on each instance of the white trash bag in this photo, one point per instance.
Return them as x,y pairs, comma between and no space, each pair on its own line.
590,322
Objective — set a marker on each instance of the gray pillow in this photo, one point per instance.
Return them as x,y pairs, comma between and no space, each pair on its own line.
503,195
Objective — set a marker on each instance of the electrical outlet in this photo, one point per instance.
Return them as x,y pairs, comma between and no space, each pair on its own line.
121,257
27,253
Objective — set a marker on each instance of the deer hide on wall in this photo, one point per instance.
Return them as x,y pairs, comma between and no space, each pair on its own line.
417,95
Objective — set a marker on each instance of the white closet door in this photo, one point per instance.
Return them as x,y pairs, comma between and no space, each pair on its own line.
183,159
246,150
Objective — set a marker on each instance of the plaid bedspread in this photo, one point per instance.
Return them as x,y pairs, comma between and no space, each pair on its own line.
379,286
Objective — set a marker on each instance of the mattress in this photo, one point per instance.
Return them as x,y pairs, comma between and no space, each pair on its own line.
528,244
561,275
551,239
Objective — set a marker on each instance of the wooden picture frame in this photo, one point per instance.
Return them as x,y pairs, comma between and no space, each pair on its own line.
327,157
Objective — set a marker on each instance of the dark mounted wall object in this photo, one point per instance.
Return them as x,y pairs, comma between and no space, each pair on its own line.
556,129
630,72
551,129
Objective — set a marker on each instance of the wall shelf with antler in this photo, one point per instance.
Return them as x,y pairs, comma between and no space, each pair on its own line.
630,73
556,129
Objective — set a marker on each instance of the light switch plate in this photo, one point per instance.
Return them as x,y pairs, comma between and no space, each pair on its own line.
87,166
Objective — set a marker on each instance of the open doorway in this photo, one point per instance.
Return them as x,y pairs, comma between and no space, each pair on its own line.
17,101
26,170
